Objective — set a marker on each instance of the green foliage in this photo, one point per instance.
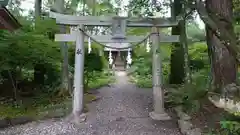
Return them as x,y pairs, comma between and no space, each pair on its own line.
146,7
142,67
236,9
94,62
99,79
232,127
27,50
188,96
143,81
194,33
231,124
198,56
32,51
23,50
11,112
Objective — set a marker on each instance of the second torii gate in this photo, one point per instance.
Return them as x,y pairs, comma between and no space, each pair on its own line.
119,37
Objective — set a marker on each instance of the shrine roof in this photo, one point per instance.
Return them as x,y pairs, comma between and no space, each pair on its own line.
116,50
7,20
116,45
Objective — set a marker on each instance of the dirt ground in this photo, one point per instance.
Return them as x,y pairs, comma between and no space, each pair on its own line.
208,117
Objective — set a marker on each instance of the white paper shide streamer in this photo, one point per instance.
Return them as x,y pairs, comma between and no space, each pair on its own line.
89,45
110,59
148,45
129,57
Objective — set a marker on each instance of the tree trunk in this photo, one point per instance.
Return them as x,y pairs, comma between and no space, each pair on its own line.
38,8
177,50
66,81
224,67
184,43
39,70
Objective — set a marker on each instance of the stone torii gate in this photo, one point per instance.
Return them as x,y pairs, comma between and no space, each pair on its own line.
119,25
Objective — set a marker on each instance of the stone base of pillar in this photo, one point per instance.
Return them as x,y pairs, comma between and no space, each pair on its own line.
159,116
76,119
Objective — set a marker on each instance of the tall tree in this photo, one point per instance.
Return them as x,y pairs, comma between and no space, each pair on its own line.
39,69
38,8
66,87
224,67
177,50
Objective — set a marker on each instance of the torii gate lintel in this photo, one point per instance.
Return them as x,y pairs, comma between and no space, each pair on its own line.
109,20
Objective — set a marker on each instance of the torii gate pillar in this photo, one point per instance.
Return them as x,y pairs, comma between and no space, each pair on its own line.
78,75
158,93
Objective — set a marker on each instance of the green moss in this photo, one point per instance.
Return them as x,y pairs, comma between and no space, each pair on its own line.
89,98
142,82
11,112
100,82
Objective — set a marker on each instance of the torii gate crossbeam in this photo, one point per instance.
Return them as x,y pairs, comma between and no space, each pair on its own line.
108,21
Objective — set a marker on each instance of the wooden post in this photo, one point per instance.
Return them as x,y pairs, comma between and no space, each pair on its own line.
158,93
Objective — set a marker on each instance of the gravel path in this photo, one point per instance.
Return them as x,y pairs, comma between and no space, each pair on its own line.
122,110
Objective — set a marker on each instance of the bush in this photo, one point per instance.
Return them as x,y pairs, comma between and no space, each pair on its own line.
231,124
198,56
142,70
99,79
28,61
143,81
190,95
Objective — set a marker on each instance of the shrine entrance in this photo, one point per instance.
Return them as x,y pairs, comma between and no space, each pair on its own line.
115,43
119,62
119,59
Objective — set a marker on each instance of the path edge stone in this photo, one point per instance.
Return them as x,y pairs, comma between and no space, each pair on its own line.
9,122
21,120
184,123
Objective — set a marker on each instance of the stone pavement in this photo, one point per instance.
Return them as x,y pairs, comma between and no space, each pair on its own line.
122,110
